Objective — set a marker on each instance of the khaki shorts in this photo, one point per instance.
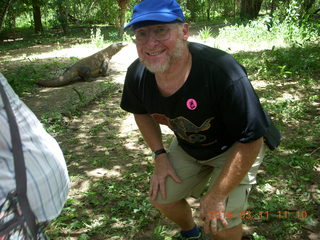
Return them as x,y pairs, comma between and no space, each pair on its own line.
195,176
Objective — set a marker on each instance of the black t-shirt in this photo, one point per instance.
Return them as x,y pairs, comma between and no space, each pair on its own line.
216,107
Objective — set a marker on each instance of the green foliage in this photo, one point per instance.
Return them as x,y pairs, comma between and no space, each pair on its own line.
24,75
250,32
295,24
107,11
205,33
97,38
127,37
258,237
80,95
80,12
272,31
26,72
19,14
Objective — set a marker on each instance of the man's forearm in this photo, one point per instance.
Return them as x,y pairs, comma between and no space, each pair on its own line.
162,168
237,166
150,131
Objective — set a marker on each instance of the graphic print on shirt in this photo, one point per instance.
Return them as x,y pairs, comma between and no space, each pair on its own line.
184,128
192,104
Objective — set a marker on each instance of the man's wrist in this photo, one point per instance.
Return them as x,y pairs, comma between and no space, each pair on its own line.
219,197
159,152
216,194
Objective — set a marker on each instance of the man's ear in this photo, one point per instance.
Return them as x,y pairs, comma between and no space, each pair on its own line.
185,31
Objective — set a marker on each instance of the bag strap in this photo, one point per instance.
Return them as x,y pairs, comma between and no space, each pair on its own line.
19,165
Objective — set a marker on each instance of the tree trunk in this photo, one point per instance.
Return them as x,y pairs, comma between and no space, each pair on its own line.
37,16
3,11
209,9
123,7
63,15
250,9
123,16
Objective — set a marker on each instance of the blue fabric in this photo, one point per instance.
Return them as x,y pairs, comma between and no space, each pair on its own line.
191,233
154,10
149,23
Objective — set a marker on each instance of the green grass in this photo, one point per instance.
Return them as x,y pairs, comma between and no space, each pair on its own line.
23,76
266,32
291,96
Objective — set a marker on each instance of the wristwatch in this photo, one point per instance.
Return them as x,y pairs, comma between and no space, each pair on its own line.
159,151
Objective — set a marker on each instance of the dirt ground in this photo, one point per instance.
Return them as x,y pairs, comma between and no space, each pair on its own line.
57,98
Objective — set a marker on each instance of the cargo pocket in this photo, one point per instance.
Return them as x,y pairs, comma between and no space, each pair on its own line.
236,204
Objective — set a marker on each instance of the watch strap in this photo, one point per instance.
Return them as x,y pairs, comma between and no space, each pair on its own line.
159,151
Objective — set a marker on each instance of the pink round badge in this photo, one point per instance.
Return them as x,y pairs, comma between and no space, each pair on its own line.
192,104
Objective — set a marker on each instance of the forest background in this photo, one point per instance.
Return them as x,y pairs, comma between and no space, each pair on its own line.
109,164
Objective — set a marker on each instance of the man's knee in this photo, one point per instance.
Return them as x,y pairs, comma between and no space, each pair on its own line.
164,206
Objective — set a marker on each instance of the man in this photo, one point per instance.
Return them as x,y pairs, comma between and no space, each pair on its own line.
205,97
47,176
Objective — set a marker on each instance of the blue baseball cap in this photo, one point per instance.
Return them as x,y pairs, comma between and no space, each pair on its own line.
150,12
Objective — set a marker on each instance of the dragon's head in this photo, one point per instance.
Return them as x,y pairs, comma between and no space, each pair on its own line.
115,48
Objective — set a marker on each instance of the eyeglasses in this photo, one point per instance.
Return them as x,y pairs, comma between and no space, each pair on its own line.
159,33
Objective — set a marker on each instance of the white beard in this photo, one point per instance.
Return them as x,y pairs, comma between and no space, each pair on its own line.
162,67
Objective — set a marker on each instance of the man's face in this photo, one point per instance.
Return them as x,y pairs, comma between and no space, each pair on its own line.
161,45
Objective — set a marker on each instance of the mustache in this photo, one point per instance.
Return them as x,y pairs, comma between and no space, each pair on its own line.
170,59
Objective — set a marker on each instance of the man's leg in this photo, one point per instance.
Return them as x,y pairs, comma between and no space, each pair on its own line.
178,212
194,177
237,199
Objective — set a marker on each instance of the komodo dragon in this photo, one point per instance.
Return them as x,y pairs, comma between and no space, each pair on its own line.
87,68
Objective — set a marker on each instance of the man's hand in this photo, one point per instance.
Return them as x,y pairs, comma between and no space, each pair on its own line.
162,170
212,210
